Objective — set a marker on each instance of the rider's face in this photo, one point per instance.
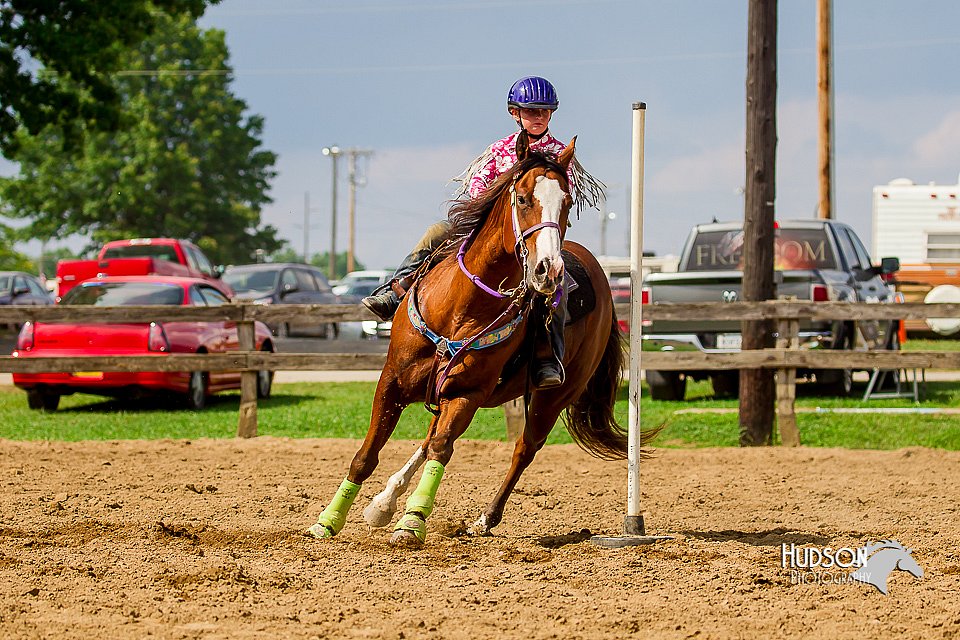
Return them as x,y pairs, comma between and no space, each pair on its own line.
535,121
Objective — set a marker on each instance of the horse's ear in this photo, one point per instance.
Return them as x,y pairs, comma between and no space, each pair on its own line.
566,156
523,145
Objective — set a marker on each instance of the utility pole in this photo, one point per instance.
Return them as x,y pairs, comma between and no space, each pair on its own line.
355,182
306,227
334,153
757,393
825,105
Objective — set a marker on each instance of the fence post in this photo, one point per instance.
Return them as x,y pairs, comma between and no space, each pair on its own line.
788,337
513,411
247,424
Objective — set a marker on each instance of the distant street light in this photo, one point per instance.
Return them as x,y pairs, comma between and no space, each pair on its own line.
334,153
604,218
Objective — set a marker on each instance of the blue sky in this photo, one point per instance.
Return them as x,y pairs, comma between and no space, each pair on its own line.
423,84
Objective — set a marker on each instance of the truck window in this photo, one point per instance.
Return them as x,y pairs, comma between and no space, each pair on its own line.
863,257
198,261
163,252
288,281
847,250
305,280
793,249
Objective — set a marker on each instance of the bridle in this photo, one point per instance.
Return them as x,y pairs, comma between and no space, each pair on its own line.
520,247
503,325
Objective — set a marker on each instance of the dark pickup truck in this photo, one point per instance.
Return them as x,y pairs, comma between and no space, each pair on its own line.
815,260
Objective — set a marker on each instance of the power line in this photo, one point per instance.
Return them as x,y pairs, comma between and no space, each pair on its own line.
301,71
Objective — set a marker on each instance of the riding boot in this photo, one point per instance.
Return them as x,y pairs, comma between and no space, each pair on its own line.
385,303
549,370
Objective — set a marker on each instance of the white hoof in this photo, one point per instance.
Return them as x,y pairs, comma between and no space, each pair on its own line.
379,513
479,528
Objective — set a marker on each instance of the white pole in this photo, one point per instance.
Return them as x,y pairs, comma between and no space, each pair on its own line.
633,523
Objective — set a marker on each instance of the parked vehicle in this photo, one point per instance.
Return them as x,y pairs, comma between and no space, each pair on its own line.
128,339
816,260
371,276
354,293
141,256
17,287
920,224
286,283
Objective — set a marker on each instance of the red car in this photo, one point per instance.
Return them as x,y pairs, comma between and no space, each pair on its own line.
45,339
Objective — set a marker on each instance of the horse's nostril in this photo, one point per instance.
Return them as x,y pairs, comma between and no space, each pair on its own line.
541,269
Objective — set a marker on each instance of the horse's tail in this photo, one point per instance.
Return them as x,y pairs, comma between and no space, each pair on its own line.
590,419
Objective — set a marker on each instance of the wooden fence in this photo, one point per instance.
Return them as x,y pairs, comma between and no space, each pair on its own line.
785,357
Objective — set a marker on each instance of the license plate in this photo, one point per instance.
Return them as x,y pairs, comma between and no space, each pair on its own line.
97,375
729,340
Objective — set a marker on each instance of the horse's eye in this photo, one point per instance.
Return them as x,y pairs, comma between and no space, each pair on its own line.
521,200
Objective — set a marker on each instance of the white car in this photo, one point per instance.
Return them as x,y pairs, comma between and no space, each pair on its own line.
370,276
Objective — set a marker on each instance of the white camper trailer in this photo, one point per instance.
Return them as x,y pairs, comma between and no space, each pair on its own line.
920,224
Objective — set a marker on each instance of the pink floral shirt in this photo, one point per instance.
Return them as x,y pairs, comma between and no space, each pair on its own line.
503,155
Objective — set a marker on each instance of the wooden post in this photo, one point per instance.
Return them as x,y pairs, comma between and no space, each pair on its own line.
825,106
788,337
757,393
247,425
513,411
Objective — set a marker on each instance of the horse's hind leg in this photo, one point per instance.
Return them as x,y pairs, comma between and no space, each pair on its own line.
387,407
540,422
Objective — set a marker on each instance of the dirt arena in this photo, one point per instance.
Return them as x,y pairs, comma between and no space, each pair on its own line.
177,539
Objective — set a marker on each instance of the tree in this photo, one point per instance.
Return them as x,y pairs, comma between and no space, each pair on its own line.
11,260
188,165
74,40
322,260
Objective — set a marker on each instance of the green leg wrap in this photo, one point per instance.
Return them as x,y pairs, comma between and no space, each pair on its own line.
333,518
420,502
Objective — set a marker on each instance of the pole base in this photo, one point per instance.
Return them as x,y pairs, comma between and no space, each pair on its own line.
633,535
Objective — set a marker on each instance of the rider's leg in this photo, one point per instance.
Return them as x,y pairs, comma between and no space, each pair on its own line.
548,370
385,303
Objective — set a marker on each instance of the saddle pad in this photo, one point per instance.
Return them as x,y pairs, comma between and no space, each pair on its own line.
581,298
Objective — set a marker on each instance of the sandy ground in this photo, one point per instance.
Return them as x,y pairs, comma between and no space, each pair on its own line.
178,539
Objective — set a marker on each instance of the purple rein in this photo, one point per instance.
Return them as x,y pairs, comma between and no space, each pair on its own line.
475,279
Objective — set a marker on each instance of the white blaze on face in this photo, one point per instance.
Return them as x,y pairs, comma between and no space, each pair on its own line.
550,195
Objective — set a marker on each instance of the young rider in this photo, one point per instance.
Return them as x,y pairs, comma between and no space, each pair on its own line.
531,102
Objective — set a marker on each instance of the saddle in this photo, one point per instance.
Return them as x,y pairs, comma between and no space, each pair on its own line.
581,300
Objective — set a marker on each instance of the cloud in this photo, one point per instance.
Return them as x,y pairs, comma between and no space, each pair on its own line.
941,146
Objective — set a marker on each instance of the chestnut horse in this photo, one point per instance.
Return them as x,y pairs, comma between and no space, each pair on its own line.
455,340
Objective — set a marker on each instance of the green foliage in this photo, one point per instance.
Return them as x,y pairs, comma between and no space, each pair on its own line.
75,44
11,260
322,260
186,164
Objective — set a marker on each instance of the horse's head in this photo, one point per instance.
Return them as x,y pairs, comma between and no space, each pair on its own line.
540,204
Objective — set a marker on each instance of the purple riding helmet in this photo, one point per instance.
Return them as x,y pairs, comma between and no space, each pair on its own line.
533,92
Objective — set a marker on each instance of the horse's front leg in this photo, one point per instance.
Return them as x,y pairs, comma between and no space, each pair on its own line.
542,417
388,404
455,416
381,509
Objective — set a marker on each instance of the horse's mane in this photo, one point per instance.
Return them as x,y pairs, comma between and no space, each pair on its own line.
468,214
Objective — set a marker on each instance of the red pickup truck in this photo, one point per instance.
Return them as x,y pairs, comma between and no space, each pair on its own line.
139,257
